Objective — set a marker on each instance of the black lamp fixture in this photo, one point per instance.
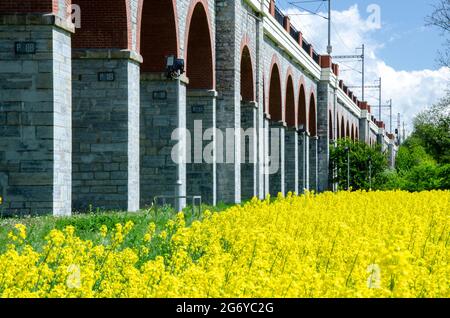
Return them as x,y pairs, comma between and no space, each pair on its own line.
301,128
174,66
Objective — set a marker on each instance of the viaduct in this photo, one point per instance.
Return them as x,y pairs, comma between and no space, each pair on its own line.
87,114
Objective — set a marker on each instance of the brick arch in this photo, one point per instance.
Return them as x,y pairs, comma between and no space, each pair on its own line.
247,78
353,132
275,96
199,54
302,110
312,118
290,110
342,127
103,29
157,33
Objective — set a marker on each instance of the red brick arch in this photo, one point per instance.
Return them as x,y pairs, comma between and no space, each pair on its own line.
312,118
247,78
290,109
157,33
105,24
199,47
302,109
275,96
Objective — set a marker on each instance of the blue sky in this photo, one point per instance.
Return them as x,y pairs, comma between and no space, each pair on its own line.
409,43
402,50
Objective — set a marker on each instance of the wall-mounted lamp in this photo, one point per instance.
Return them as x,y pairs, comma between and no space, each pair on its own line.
301,128
174,67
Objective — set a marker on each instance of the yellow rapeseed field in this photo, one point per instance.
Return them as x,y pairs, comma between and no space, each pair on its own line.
376,244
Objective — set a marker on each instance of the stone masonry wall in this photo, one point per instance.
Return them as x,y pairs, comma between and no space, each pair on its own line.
105,134
35,116
201,119
160,116
291,159
249,151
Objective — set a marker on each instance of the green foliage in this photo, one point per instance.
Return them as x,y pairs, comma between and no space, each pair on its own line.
423,177
423,160
389,180
432,130
412,154
365,161
444,175
416,170
88,224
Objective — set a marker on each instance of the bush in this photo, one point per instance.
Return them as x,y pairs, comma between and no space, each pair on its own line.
366,164
389,180
412,154
423,177
444,175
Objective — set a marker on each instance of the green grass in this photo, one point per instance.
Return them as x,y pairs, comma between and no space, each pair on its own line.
87,225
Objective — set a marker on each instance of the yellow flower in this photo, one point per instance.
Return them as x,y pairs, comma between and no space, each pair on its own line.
21,230
103,231
12,237
147,237
348,244
128,227
69,230
163,235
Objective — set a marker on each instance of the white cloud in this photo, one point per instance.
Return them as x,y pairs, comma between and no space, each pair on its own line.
411,91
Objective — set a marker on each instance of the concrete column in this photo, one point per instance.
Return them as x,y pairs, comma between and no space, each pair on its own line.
391,155
324,101
314,163
201,155
323,169
291,161
260,165
35,114
163,111
277,158
364,126
303,161
259,61
106,129
380,139
266,159
229,99
249,151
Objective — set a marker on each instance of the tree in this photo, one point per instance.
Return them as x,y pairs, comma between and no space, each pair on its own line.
432,130
412,154
366,164
423,160
440,18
